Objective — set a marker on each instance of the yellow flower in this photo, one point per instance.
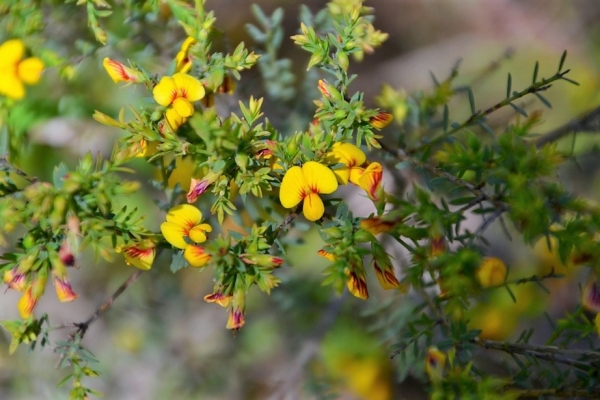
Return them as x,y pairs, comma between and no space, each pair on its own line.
184,221
64,291
435,364
26,304
491,272
120,73
305,184
32,294
369,179
597,323
381,120
385,275
357,283
14,71
178,92
196,256
147,149
183,62
326,254
351,156
140,255
219,298
236,312
377,225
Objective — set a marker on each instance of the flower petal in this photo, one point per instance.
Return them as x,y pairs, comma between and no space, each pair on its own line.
11,52
197,234
183,107
319,178
174,234
196,256
165,91
352,155
118,72
185,215
11,86
30,70
370,180
26,304
293,188
342,175
174,119
357,285
188,87
64,291
219,298
313,207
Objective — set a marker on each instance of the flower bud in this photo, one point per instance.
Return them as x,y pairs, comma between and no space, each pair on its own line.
491,272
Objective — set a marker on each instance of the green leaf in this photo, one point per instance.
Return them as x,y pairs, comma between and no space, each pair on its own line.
562,61
178,262
535,72
518,109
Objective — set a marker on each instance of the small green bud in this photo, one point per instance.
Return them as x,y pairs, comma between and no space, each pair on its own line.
334,232
363,236
342,60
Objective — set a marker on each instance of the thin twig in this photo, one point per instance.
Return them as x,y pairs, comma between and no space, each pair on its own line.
589,122
82,327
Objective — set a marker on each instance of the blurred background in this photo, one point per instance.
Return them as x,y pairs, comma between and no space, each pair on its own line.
161,340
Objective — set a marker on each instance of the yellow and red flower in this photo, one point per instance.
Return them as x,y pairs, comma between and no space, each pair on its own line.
185,221
357,283
352,159
199,186
381,120
377,225
304,184
435,364
219,298
15,72
236,312
183,62
63,288
178,93
370,180
121,73
141,255
32,294
385,275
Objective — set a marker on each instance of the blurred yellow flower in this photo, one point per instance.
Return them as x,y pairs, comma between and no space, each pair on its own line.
14,71
491,272
178,92
26,304
435,363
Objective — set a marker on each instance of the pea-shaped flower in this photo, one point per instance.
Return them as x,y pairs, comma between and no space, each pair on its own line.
178,93
306,184
14,71
186,221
